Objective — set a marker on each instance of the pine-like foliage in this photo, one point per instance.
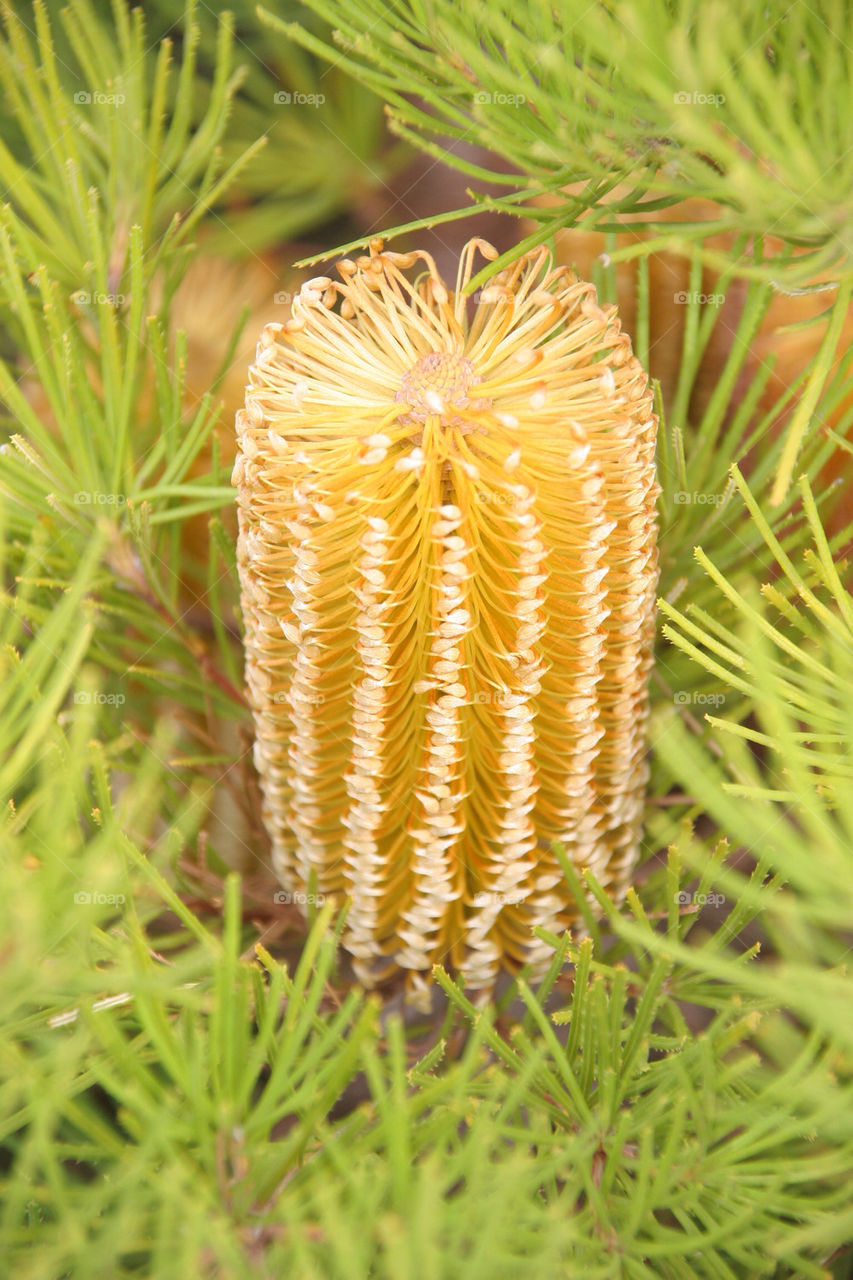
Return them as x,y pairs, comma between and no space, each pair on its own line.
191,1084
637,104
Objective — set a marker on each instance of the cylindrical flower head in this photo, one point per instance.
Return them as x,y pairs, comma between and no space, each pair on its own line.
448,563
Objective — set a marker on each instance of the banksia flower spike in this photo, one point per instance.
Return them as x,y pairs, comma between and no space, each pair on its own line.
448,562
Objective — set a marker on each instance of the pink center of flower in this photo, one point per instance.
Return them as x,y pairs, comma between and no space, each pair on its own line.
436,385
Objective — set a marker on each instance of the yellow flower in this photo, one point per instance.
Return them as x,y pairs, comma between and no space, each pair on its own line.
448,561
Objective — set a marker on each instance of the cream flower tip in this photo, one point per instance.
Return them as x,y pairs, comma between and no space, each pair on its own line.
448,563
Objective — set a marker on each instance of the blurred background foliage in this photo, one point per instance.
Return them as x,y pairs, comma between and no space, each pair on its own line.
190,1083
